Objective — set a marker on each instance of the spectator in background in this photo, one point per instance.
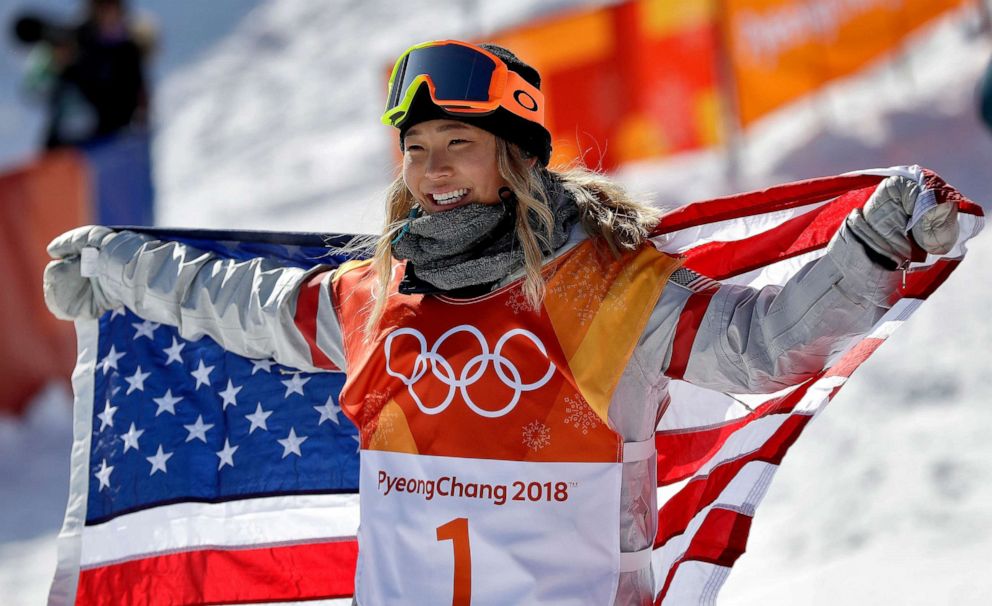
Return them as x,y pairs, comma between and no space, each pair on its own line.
91,75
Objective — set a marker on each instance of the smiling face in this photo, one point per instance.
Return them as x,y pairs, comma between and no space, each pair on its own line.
447,164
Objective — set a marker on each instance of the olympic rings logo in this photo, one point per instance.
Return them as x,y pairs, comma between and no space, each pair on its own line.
431,360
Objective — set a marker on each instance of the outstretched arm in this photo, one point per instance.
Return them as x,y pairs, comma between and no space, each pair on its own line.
739,339
248,307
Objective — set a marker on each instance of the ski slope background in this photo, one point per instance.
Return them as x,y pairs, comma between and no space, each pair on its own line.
887,499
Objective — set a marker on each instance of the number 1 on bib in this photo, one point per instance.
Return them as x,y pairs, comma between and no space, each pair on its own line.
457,532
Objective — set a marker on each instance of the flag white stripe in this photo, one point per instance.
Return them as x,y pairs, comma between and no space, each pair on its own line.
913,172
63,589
818,394
968,227
707,409
774,273
693,407
893,318
696,583
244,523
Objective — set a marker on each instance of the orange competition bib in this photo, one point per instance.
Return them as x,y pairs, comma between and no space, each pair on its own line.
490,474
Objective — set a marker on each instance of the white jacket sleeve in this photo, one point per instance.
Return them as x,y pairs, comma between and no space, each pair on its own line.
248,307
762,340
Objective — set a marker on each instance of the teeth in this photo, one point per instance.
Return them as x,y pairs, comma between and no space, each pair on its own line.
449,197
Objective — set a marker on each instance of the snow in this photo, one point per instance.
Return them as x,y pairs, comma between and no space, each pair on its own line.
888,496
34,484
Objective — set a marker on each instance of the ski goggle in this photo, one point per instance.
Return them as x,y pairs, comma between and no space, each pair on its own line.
463,79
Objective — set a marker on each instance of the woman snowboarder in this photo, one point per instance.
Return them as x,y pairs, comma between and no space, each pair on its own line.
509,345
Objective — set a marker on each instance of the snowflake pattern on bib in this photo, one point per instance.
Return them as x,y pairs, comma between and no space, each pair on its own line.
518,303
579,415
537,435
584,293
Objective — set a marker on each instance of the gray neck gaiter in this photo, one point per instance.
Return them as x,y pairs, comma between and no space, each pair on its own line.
476,244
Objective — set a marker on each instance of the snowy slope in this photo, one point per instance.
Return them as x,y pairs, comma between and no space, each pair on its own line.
280,129
888,497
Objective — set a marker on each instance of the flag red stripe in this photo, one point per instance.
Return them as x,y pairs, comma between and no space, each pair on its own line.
802,234
781,197
674,517
970,208
846,366
920,283
777,198
682,453
944,193
720,540
306,319
685,332
218,576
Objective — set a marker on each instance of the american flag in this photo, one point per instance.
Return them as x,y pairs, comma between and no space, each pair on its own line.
199,477
203,477
717,452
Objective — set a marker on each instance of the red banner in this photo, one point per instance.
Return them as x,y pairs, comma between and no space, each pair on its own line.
626,82
37,203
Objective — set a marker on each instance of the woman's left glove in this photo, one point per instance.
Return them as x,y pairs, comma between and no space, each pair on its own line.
68,294
883,225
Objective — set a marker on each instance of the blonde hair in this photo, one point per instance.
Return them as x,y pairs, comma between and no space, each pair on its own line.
606,211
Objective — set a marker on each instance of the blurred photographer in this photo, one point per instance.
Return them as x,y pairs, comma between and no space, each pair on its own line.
90,75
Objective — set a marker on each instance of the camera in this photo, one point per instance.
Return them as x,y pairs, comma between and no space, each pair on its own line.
31,28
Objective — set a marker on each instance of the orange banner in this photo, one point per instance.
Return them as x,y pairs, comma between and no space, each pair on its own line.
626,82
37,203
784,49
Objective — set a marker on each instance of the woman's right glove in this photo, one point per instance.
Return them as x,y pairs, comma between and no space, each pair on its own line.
68,294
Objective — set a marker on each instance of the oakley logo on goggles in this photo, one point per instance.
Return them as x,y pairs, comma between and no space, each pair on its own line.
462,79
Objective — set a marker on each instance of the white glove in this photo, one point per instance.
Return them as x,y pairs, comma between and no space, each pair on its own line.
68,294
881,225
